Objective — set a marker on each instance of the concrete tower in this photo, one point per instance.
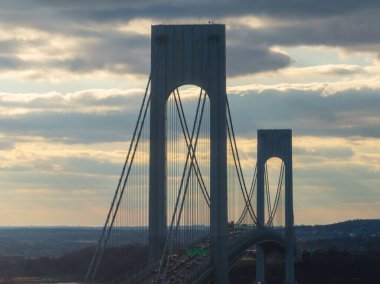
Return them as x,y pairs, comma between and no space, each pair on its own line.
189,54
276,143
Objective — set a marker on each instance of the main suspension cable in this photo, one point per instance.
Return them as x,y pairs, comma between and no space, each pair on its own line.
267,192
236,157
95,261
251,192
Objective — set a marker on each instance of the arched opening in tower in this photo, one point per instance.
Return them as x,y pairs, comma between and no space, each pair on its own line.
188,167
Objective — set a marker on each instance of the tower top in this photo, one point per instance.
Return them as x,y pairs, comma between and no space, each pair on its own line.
189,54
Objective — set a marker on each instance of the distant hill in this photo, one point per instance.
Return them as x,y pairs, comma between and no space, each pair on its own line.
351,228
45,241
56,241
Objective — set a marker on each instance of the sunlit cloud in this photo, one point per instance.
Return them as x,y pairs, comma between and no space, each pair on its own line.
89,101
325,88
136,26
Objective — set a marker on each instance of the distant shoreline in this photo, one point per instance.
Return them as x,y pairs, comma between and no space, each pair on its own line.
100,227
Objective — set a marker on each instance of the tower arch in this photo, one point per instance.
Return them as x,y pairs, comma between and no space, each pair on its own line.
188,167
275,173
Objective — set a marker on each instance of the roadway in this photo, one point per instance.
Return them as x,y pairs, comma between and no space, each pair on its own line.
193,268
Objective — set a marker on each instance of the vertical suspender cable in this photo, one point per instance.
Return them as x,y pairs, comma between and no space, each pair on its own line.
119,191
235,154
267,192
278,194
252,190
189,155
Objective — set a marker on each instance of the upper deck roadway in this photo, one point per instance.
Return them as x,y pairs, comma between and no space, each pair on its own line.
196,269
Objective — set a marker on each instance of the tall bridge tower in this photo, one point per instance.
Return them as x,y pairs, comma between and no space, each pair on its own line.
189,54
275,143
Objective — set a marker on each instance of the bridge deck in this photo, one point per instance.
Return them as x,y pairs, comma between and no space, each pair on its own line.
189,268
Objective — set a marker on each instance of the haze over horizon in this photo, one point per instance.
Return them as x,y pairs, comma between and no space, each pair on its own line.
72,78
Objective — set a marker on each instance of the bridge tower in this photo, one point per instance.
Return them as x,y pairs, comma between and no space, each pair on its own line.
276,143
189,54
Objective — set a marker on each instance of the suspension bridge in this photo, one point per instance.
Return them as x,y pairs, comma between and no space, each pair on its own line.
183,191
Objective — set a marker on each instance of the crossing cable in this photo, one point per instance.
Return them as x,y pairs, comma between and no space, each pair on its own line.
95,261
191,162
230,130
278,192
190,154
266,183
186,133
194,165
241,181
277,197
239,171
163,261
251,192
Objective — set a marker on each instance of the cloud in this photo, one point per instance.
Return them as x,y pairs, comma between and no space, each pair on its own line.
337,109
84,116
339,30
331,69
306,110
76,39
112,51
78,102
244,60
9,63
64,149
111,10
332,174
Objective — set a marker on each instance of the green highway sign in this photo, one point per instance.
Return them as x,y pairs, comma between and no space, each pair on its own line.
197,251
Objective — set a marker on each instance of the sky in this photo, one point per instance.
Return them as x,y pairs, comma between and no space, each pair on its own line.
73,73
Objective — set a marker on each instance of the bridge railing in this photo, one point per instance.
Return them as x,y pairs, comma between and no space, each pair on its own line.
200,273
135,275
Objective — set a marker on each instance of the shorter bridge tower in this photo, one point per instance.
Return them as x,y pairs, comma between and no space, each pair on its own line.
275,143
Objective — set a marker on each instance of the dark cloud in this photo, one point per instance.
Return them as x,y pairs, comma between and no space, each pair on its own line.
351,113
348,24
111,51
74,15
130,54
120,53
87,116
8,46
165,9
72,127
336,153
8,62
6,144
342,70
354,31
250,59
